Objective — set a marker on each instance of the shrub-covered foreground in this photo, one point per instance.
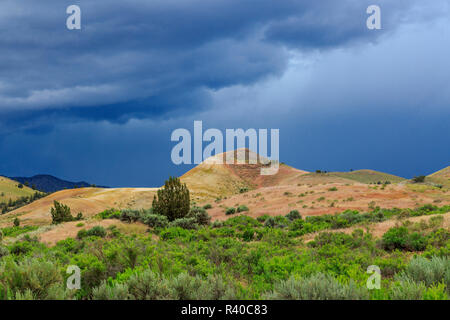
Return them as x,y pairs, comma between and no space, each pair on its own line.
240,258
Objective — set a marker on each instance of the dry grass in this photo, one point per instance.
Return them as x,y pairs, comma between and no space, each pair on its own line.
9,190
89,201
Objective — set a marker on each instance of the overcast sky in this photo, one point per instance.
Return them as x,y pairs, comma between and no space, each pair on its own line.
100,103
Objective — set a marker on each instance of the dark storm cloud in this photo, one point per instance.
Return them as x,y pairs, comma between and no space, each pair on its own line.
146,58
100,104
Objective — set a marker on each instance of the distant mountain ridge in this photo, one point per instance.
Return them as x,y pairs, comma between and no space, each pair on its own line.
49,183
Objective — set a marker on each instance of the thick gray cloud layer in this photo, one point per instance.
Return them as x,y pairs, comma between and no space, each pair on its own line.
99,104
143,58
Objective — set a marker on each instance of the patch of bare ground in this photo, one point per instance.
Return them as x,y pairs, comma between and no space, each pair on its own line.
327,198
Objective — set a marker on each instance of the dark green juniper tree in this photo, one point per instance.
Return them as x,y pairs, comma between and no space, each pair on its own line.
172,200
61,213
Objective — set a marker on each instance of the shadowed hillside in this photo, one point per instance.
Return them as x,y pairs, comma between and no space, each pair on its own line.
48,183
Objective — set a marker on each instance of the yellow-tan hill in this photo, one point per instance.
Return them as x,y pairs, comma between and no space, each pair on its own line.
368,176
89,201
9,190
441,177
215,178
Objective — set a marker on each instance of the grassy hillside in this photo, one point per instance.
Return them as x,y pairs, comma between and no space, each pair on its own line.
89,201
442,174
9,190
368,176
440,177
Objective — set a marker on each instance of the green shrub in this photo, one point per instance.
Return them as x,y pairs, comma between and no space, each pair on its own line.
335,238
16,222
82,234
20,248
32,278
172,200
407,290
263,218
395,238
176,233
110,214
185,223
147,285
439,238
276,222
416,242
60,213
230,210
156,221
400,238
214,287
436,292
243,190
207,206
430,272
242,208
297,225
97,231
129,215
242,222
293,215
185,287
248,234
106,292
93,271
270,222
200,215
316,287
3,251
419,179
217,224
15,231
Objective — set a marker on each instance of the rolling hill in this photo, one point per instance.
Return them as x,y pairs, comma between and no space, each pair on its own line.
441,174
229,185
211,179
368,176
439,178
48,183
89,201
9,190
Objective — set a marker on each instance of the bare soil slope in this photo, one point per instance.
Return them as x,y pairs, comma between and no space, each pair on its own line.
215,178
328,198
